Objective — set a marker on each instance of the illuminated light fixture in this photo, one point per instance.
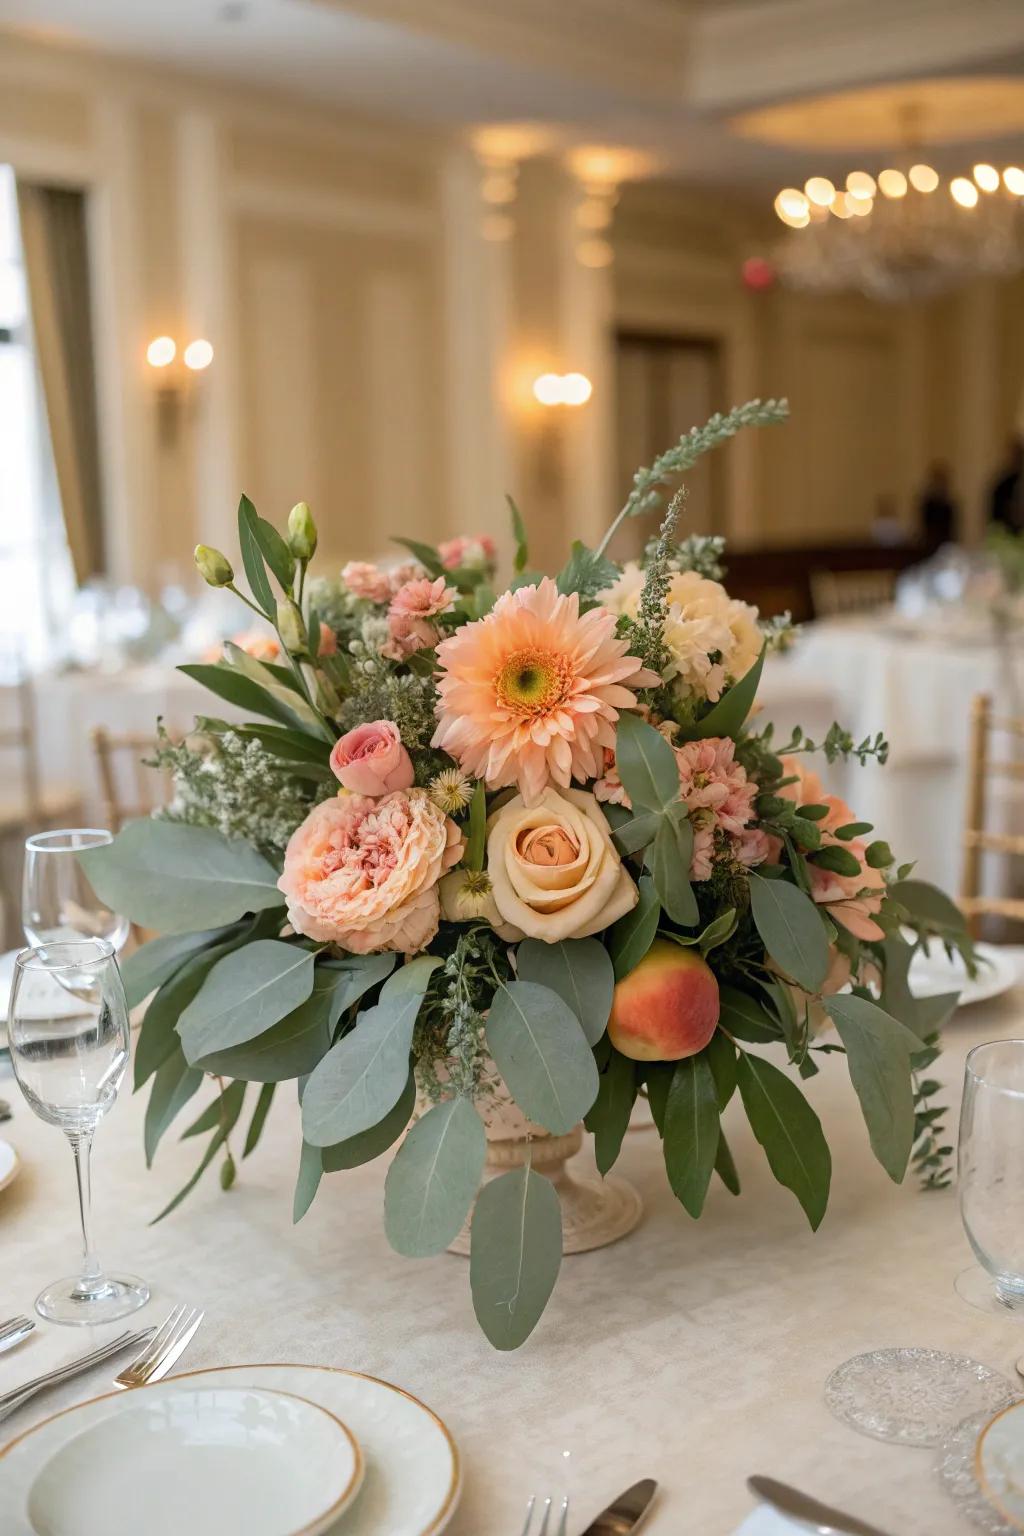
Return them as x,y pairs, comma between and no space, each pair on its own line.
1013,180
963,192
987,177
198,355
499,187
576,389
820,190
562,389
860,207
790,202
595,253
840,205
859,184
161,352
892,183
923,178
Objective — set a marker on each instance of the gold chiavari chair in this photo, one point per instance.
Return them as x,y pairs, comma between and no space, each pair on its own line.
128,787
978,839
836,594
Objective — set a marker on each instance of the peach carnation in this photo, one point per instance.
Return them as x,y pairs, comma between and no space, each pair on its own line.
412,608
366,580
531,693
471,552
852,900
363,873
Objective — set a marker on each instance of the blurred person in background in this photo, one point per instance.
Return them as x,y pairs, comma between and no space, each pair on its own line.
937,511
1006,499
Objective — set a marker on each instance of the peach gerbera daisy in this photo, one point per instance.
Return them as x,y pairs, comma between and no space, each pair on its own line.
532,692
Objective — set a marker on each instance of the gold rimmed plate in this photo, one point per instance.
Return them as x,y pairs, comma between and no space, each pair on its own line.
999,1463
412,1480
10,1164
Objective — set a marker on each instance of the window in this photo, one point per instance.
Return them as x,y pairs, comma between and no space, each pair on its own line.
36,581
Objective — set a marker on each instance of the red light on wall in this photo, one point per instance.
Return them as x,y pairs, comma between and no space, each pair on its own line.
758,274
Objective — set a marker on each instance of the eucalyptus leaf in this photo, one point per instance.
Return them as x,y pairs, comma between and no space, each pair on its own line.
177,878
789,1131
878,1050
580,971
691,1132
928,904
646,764
433,1178
718,931
252,556
367,1145
632,936
635,832
259,1118
149,966
174,1084
158,1037
539,1047
839,860
227,1106
729,715
669,862
412,978
791,930
720,1054
308,1182
293,1046
515,1255
363,1076
743,1017
608,1117
245,993
725,1167
217,1140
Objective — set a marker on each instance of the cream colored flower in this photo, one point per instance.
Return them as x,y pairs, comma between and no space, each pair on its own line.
554,869
467,896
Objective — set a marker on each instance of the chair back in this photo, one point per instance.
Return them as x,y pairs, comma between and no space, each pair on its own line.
129,788
19,754
979,839
836,594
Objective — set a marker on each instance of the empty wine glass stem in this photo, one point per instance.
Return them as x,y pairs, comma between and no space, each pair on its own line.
91,1279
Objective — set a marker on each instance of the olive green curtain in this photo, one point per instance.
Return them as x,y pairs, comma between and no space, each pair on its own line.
54,240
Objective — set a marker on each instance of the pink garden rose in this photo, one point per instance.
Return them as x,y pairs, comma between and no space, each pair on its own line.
366,580
364,873
463,551
370,760
412,608
853,900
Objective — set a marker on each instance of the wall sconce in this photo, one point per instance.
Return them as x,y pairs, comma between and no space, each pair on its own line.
173,382
562,389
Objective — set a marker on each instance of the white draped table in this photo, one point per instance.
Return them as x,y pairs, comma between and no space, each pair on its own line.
691,1352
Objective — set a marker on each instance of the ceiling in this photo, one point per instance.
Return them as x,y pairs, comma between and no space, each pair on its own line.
712,91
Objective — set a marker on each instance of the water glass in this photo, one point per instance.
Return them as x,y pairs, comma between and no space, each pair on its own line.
57,899
69,1047
990,1160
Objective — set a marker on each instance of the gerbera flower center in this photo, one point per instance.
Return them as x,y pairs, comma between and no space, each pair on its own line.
532,681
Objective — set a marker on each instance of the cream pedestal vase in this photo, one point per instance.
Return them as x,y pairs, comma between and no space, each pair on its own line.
595,1211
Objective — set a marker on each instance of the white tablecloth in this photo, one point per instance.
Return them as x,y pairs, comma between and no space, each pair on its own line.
917,690
693,1352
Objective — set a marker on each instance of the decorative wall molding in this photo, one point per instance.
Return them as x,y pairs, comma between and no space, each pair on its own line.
333,210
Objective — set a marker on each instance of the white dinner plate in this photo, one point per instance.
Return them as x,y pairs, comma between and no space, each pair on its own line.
10,1164
179,1458
932,973
999,1463
412,1479
40,998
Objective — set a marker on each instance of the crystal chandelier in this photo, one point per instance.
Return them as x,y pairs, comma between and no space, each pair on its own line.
904,234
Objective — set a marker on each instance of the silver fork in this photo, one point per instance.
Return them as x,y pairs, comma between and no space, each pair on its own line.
169,1342
9,1401
545,1511
14,1330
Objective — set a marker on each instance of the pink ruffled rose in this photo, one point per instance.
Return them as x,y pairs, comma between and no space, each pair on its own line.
366,580
471,552
412,608
370,760
364,873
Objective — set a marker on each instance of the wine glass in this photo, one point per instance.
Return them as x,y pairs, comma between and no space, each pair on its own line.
69,1066
989,1162
57,898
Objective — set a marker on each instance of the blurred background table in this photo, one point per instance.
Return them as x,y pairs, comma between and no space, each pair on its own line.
692,1352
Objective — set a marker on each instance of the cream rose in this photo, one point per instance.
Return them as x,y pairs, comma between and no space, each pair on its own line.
554,870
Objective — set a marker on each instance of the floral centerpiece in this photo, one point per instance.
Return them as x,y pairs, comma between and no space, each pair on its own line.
526,847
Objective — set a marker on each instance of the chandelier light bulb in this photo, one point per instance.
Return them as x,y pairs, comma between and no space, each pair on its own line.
791,207
1013,180
963,192
549,389
892,183
198,355
860,184
576,389
840,205
820,190
161,352
923,178
987,177
860,207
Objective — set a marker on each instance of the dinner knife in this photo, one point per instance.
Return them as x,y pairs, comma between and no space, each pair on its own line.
625,1514
816,1517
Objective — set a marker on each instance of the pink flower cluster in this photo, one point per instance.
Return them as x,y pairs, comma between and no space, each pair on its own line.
719,797
375,584
475,552
409,615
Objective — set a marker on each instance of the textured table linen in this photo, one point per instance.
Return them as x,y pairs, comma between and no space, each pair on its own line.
691,1352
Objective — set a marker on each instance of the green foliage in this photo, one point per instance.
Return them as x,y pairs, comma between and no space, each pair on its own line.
368,1145
522,554
433,1178
515,1255
691,1132
243,995
149,966
542,1053
579,971
646,765
228,1111
791,929
586,573
727,717
878,1050
693,445
608,1117
789,1131
669,862
632,936
363,1076
252,556
177,879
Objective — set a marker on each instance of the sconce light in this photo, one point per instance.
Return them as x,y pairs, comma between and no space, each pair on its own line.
173,381
562,389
